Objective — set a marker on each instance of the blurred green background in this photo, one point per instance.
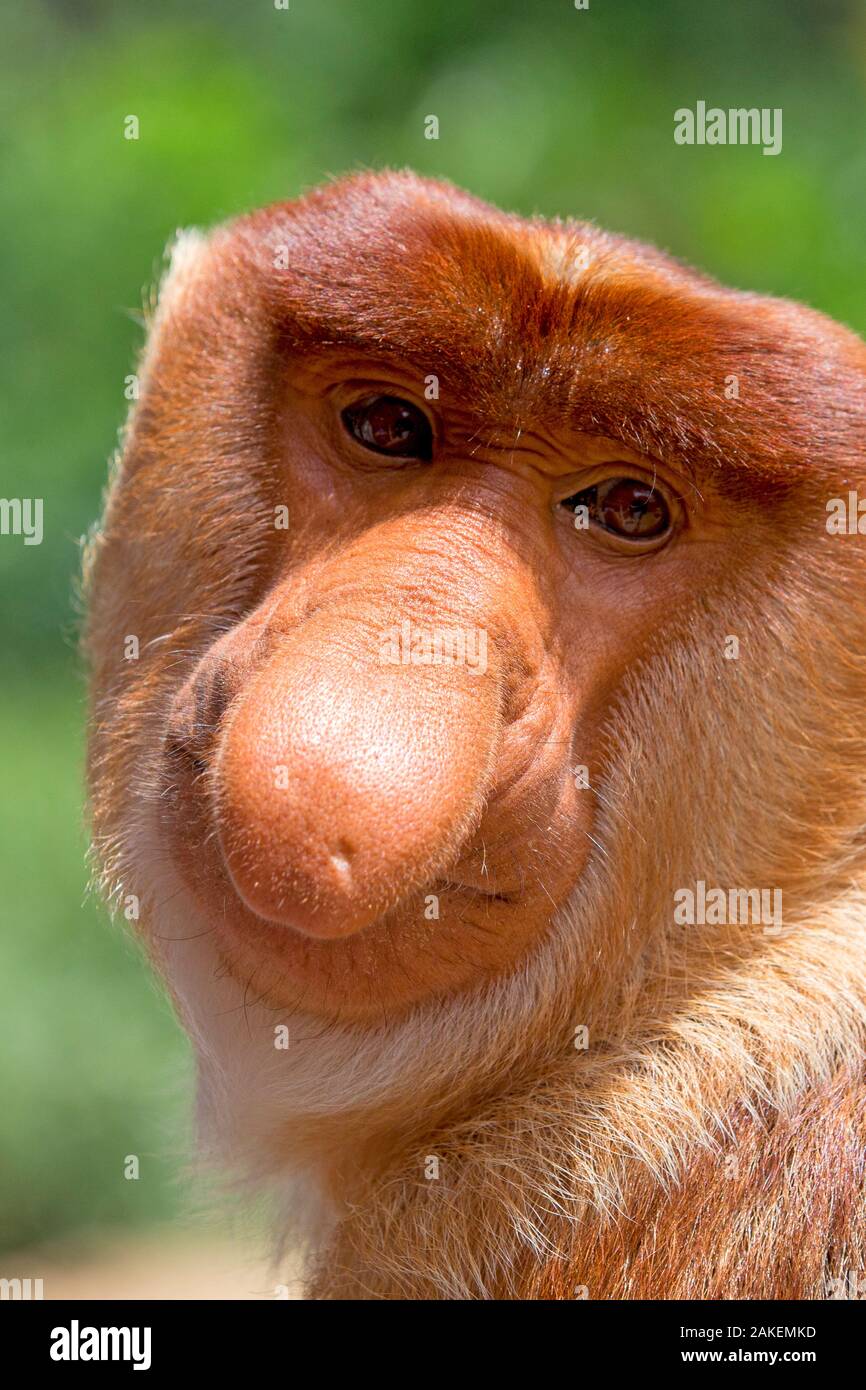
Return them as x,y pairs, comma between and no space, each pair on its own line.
542,108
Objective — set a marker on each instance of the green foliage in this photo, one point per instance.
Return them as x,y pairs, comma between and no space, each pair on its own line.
541,108
92,1067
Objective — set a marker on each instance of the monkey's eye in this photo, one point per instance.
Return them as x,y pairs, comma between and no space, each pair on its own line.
626,507
389,425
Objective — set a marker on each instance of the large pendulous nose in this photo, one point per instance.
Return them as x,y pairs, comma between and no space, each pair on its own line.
348,776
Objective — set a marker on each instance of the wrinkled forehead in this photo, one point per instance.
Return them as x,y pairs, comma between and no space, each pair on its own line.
539,324
494,301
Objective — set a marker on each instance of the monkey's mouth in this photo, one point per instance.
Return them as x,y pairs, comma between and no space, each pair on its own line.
480,891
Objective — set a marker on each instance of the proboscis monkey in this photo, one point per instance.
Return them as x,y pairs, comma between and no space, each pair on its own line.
478,718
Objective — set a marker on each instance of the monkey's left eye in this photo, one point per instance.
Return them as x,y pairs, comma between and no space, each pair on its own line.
626,507
389,425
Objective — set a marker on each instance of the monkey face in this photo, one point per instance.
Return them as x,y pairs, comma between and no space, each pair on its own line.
380,781
411,489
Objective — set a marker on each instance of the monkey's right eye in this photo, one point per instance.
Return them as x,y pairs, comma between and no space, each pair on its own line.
389,425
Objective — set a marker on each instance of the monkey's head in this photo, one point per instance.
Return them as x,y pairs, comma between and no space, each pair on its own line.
465,584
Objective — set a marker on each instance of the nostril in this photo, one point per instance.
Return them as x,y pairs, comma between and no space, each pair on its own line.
197,715
213,693
182,750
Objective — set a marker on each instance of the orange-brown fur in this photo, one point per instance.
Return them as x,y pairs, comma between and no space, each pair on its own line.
560,1170
778,1213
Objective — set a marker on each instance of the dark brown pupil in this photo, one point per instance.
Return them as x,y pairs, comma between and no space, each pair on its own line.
390,425
632,508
